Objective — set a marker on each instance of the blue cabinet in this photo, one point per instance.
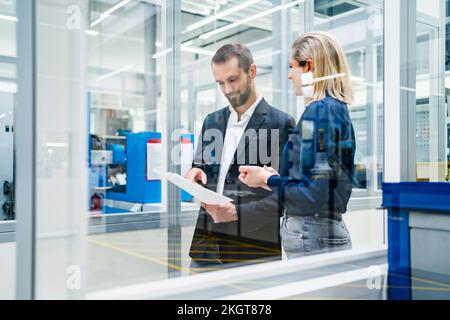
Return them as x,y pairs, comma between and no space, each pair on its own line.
418,240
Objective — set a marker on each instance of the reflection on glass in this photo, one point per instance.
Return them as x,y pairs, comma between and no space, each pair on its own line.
359,27
8,89
123,84
8,92
267,28
102,102
364,50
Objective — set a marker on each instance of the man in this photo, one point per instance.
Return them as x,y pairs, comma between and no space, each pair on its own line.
249,131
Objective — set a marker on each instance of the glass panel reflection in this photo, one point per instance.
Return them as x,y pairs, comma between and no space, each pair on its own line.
102,119
267,28
431,146
359,27
8,93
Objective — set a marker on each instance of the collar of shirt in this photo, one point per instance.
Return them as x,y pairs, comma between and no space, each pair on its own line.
245,116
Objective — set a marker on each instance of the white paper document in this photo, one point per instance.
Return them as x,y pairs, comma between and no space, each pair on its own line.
202,194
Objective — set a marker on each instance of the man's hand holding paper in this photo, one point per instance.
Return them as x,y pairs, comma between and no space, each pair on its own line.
197,191
195,175
222,213
219,213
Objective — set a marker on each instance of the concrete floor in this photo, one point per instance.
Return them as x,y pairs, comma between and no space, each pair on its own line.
117,259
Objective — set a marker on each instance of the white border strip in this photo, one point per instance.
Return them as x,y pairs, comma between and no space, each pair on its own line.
167,287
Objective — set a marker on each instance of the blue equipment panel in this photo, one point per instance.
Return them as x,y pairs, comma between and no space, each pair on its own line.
138,188
118,153
400,199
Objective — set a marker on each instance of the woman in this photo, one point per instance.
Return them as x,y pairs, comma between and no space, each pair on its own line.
316,182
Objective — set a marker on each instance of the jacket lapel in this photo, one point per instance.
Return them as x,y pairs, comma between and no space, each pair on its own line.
222,124
256,121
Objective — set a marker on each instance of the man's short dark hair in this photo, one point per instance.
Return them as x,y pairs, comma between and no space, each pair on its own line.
228,51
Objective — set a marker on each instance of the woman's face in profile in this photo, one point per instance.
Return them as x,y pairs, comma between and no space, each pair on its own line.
295,75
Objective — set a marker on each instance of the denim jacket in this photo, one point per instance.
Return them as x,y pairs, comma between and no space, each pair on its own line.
317,166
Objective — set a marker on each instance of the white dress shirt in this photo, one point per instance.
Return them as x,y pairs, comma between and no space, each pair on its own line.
233,135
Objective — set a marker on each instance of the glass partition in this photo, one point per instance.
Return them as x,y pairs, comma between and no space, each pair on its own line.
268,29
105,217
8,91
359,27
431,112
100,116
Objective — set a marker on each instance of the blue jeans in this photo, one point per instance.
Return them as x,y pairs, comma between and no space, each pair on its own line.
310,235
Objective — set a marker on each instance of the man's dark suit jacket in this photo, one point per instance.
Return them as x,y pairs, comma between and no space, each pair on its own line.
256,234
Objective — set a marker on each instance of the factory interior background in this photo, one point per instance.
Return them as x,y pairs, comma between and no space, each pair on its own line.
83,82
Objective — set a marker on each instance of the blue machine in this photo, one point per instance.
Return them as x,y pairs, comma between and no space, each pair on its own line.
418,238
118,153
138,188
132,158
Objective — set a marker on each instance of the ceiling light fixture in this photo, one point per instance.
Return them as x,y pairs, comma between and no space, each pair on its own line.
92,32
8,18
254,17
107,13
220,15
115,72
197,50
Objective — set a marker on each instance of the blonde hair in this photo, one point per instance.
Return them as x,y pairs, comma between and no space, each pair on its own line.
329,59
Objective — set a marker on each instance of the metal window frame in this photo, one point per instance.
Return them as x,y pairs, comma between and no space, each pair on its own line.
281,34
399,90
437,93
25,150
308,15
172,24
399,133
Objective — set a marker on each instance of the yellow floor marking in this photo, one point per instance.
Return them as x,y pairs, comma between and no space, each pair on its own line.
191,271
157,261
135,254
195,245
202,251
237,260
241,243
423,280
